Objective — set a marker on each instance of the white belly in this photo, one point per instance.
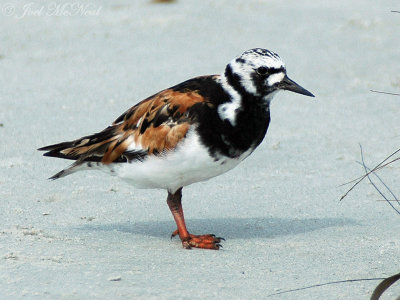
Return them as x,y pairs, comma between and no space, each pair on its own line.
188,164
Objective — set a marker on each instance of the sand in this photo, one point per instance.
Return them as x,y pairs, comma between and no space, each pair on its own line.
70,71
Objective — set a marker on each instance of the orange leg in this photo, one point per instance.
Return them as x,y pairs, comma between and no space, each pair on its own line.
205,241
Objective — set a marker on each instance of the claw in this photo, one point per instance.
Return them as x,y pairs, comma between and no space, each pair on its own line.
204,241
186,245
174,234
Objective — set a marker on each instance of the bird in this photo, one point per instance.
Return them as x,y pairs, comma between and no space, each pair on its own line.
190,132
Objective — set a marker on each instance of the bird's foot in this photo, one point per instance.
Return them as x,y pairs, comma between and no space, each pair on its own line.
204,241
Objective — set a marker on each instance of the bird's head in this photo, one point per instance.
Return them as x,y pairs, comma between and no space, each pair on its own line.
261,73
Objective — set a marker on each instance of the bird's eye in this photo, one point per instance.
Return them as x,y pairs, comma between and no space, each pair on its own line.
262,71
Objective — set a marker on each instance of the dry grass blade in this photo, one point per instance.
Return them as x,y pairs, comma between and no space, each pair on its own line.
379,166
379,290
163,1
371,171
383,286
386,93
368,172
323,284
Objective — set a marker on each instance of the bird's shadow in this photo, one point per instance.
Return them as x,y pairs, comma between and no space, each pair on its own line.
240,228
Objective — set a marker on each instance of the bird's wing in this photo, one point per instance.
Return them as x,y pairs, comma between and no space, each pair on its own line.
153,126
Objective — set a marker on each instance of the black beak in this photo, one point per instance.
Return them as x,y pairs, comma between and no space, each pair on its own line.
289,85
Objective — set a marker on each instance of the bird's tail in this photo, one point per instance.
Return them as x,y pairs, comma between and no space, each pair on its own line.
87,151
76,166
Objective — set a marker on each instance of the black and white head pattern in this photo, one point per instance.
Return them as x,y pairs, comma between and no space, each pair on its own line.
256,72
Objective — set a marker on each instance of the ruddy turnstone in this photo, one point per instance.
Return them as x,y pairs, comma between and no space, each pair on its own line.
188,133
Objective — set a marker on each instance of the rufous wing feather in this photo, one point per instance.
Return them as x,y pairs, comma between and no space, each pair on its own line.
155,125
